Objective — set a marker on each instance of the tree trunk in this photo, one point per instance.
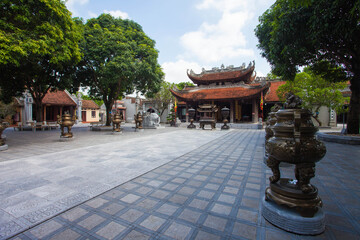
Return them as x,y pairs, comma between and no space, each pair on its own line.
353,120
38,110
108,105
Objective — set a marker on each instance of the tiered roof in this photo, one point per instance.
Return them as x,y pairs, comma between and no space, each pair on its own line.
228,74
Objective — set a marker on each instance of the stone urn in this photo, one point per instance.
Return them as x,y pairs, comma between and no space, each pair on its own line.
191,112
294,142
116,120
66,120
225,112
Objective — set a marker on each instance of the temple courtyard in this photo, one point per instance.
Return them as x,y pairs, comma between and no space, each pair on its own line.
168,183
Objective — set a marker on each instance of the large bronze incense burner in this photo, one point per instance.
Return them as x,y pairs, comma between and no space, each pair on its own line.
116,120
66,120
191,112
207,115
294,142
138,120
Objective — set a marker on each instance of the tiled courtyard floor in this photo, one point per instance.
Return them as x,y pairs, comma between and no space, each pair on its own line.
211,192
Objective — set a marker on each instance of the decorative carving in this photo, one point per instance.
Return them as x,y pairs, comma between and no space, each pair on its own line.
292,140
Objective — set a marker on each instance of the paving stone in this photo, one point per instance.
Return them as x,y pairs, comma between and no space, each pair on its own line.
215,223
247,215
251,203
190,216
114,193
206,194
112,209
74,214
45,229
136,235
178,231
148,204
67,234
131,215
221,209
167,209
91,222
187,190
153,222
176,198
130,198
160,194
227,198
96,203
206,236
244,230
198,203
111,230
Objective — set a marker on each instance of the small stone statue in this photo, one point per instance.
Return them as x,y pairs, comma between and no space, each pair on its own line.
292,101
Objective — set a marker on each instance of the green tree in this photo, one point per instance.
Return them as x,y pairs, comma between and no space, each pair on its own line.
163,98
321,33
98,101
181,85
118,58
315,92
38,45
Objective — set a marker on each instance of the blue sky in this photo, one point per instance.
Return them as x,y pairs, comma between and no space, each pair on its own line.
190,34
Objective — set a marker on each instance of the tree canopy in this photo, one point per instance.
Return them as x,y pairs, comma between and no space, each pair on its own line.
118,58
38,44
315,92
163,98
320,33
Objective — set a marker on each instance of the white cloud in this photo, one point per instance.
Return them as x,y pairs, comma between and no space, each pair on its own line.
175,72
73,4
224,39
118,14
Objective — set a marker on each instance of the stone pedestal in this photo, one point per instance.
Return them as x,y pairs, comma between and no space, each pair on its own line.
116,133
66,139
290,220
139,129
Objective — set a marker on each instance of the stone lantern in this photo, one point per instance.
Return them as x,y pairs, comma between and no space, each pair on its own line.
294,204
191,112
225,112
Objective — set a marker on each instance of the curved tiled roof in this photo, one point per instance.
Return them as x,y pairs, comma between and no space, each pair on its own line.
89,104
271,95
223,76
219,93
60,98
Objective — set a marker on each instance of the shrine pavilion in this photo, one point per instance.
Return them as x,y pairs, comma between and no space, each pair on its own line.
236,88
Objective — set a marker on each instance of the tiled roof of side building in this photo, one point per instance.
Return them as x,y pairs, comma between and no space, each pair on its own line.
271,95
60,98
218,93
89,104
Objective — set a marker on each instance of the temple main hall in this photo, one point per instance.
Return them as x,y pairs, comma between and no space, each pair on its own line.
236,88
